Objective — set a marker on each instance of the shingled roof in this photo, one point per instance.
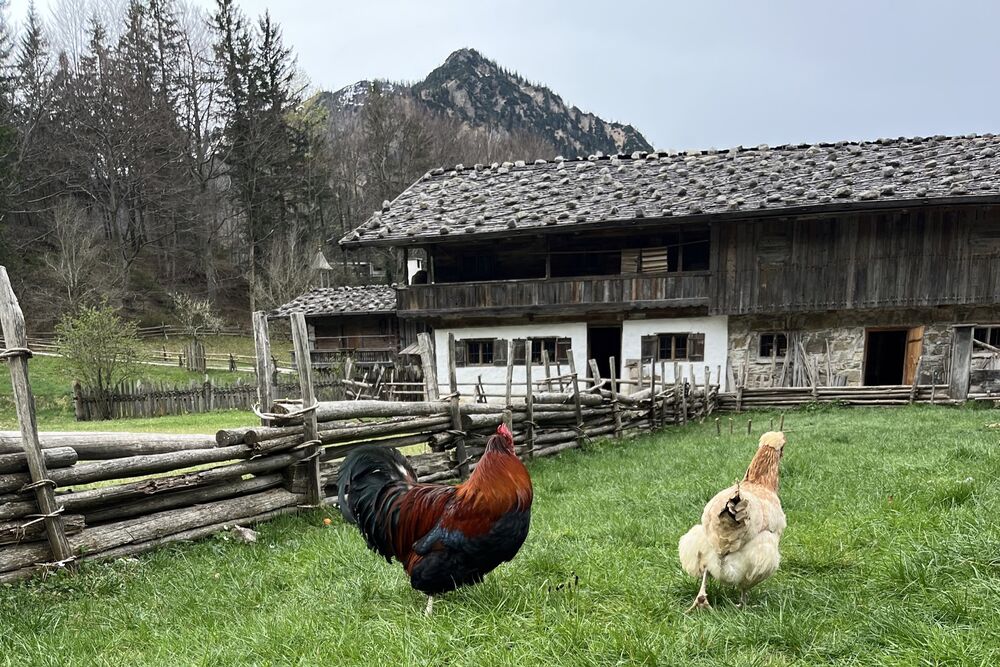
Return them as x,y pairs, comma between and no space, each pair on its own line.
497,199
341,301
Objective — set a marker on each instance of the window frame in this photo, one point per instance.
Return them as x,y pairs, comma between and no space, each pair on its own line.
993,330
561,345
652,346
760,345
479,358
661,338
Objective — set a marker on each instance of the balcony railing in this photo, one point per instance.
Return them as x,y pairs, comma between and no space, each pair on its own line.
598,293
361,356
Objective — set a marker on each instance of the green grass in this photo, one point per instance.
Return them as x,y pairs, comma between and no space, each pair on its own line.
891,557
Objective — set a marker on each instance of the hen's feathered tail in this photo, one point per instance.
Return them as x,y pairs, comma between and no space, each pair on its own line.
729,528
369,486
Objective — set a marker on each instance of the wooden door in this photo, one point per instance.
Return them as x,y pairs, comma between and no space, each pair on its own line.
914,348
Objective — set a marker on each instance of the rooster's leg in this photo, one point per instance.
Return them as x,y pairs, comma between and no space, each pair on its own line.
701,602
744,597
429,609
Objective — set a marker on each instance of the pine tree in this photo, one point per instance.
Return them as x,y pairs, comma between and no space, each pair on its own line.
8,134
263,151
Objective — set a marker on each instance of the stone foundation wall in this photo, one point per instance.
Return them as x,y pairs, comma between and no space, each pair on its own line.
845,331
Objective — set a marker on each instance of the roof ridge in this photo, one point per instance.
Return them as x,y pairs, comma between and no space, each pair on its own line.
672,152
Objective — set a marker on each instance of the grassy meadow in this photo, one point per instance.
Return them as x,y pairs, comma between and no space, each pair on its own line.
891,557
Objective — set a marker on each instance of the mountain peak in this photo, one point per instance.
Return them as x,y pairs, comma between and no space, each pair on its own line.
480,93
464,56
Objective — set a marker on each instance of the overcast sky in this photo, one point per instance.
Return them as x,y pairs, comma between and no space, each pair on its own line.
693,74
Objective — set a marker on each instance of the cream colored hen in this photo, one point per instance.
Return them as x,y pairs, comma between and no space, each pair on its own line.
737,539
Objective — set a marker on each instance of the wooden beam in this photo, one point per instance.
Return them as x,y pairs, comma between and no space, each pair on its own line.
456,410
529,398
264,362
17,354
310,430
428,365
961,361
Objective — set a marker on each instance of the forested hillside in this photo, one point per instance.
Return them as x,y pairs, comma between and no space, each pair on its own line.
175,150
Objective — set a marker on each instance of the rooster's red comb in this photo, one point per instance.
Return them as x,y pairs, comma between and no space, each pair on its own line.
504,432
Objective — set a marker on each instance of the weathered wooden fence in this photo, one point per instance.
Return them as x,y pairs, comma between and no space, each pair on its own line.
137,399
157,399
113,495
752,398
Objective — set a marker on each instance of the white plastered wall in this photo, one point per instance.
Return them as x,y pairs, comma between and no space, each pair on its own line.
468,375
716,332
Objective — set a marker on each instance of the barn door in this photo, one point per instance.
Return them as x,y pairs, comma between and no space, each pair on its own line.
914,348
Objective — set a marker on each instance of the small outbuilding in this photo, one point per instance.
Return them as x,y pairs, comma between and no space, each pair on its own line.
358,322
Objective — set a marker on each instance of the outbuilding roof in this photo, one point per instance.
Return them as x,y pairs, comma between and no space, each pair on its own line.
341,301
506,198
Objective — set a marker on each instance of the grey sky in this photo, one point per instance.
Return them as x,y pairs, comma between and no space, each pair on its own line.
694,74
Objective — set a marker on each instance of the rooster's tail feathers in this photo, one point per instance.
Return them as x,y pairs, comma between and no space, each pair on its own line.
363,475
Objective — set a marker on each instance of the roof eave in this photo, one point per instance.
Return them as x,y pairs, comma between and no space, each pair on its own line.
829,208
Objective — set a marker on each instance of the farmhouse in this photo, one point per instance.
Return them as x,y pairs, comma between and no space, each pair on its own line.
359,322
838,263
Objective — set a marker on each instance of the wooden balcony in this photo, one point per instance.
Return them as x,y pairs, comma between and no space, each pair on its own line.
361,357
557,295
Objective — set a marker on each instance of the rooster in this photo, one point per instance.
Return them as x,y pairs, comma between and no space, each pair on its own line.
737,539
444,536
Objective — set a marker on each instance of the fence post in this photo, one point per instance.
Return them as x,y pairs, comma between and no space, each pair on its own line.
576,397
529,400
209,394
79,412
17,354
265,362
916,379
961,361
428,366
508,413
615,409
652,392
684,395
310,429
456,411
548,369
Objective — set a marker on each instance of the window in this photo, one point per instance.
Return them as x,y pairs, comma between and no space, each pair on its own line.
557,350
673,347
775,344
566,264
989,335
687,251
478,352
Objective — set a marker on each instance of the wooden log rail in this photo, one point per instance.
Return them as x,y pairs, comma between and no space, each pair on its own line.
886,395
204,484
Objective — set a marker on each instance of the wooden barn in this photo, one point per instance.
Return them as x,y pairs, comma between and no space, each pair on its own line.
359,322
849,262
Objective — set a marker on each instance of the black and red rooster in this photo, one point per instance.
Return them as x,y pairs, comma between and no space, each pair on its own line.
444,536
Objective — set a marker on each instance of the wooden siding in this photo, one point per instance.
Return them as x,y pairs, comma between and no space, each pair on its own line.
601,293
926,257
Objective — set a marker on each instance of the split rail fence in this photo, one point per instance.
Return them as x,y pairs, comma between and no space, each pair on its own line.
76,497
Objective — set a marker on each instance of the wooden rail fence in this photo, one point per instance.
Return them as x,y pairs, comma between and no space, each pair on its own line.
113,495
137,399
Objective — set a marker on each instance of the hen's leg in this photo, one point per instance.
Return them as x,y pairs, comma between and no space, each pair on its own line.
429,609
744,597
701,602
